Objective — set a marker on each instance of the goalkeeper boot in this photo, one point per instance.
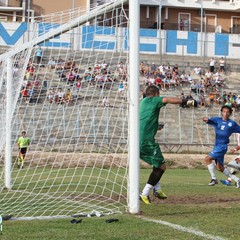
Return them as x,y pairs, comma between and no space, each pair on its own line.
145,199
213,182
159,194
225,182
238,184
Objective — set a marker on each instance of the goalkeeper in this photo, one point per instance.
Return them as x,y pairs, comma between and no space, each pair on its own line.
149,150
23,143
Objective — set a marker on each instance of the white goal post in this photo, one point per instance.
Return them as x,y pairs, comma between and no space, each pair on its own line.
78,103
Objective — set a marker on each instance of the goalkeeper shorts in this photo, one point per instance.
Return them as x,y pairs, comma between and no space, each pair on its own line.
150,153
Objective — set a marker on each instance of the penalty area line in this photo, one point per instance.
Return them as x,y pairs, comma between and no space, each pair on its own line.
183,229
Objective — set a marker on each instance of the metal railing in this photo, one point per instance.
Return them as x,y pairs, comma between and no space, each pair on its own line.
3,2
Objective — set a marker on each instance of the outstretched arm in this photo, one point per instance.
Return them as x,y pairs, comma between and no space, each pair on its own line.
205,119
172,100
209,121
183,102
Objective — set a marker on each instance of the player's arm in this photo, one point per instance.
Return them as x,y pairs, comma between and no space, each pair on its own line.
18,143
173,100
209,121
236,128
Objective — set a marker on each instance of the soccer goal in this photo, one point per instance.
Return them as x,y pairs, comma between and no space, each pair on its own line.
68,89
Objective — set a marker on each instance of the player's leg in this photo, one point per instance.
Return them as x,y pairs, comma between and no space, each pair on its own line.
20,158
153,181
227,173
212,169
152,154
23,154
226,182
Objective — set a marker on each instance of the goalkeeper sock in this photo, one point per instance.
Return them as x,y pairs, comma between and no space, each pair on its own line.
157,186
147,189
211,169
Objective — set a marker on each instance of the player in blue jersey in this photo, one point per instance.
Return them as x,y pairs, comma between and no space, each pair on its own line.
224,127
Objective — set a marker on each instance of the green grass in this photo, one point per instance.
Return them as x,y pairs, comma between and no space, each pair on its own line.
191,203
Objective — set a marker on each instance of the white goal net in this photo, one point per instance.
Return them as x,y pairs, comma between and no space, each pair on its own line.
69,93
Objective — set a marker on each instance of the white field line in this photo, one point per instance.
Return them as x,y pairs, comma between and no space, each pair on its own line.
184,229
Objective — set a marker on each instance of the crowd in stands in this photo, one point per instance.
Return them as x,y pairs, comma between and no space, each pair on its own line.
206,86
71,77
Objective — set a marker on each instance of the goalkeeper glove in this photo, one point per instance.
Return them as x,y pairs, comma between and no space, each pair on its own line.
189,103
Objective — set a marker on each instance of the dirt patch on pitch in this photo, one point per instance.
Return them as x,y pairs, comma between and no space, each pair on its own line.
198,199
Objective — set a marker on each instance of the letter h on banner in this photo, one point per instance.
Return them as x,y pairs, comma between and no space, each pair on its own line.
172,42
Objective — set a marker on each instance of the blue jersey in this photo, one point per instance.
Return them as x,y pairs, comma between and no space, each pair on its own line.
223,130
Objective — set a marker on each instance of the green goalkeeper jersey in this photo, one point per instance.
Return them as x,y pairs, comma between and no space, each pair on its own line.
149,113
23,142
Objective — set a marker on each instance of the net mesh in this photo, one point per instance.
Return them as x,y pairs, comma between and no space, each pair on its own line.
69,93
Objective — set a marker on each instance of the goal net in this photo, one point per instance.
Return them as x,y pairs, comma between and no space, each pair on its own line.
69,93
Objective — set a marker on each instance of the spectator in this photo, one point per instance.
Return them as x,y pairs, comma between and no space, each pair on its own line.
146,71
103,66
25,94
68,97
182,97
97,67
190,78
211,97
181,25
222,65
121,88
78,85
141,68
224,97
105,102
202,100
151,80
212,65
198,71
51,95
238,103
175,69
36,82
60,96
70,78
153,68
158,82
194,87
166,82
51,64
208,74
70,64
39,54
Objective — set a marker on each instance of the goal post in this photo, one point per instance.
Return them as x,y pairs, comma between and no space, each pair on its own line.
80,109
133,151
8,146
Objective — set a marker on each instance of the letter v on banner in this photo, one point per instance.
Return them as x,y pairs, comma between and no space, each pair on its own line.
17,34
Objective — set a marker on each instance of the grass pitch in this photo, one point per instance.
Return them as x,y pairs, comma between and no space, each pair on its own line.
190,204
